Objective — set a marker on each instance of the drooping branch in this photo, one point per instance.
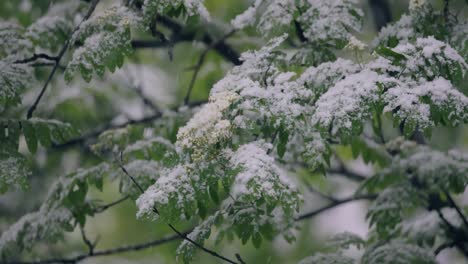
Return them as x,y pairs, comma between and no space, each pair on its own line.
173,228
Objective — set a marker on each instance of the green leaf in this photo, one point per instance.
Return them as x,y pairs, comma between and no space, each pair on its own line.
213,191
78,193
283,136
267,231
257,240
389,53
43,134
30,136
202,210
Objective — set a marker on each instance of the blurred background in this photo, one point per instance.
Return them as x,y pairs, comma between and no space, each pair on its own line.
162,75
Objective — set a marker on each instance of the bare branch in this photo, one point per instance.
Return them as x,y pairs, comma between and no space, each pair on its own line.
458,237
457,208
88,243
345,171
333,205
238,257
312,189
109,205
37,56
443,246
197,67
108,252
139,91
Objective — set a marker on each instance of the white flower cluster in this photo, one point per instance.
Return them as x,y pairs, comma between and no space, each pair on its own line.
151,8
172,192
346,103
208,126
415,4
330,20
13,172
406,102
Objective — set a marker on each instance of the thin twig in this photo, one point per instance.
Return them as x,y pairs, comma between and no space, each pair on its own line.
109,205
222,47
454,232
122,167
181,234
37,56
344,170
88,243
444,246
209,251
312,189
201,59
139,90
107,252
59,57
333,205
238,257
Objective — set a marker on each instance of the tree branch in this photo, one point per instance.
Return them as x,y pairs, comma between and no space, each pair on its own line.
59,57
333,205
314,190
181,34
88,243
457,209
109,205
100,253
180,234
197,67
345,171
443,246
222,47
456,235
37,56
